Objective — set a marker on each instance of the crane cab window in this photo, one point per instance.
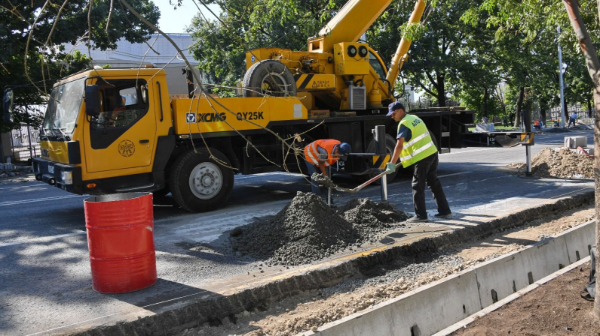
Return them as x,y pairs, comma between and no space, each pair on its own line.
122,106
376,65
121,103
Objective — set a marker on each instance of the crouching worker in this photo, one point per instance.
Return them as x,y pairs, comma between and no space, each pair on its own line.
415,146
321,154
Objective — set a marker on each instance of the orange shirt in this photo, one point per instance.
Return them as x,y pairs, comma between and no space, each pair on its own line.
311,154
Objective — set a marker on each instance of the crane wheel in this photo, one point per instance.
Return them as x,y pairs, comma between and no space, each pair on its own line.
269,78
199,183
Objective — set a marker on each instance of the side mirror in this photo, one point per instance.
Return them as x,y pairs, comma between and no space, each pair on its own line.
92,100
7,105
144,93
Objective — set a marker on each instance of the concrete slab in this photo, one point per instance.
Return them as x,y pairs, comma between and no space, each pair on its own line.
434,307
426,309
449,330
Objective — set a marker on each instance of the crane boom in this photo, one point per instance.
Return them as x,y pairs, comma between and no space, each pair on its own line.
402,50
350,23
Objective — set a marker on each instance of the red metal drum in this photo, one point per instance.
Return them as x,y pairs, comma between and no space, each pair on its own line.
120,231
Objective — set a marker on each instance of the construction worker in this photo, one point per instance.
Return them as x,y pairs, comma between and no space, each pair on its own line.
321,154
572,120
415,146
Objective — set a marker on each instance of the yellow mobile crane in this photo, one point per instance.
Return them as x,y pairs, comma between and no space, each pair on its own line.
118,130
337,72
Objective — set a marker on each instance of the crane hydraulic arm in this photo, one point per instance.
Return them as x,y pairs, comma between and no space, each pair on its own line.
348,24
400,55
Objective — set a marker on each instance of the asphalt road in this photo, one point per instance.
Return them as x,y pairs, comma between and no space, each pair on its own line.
45,282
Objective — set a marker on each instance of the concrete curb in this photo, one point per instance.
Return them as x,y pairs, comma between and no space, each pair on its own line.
510,298
433,307
174,316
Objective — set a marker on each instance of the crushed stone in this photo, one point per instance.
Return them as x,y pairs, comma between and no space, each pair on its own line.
308,230
323,180
561,163
366,215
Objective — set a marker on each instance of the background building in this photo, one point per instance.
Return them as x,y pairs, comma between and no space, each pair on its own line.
164,55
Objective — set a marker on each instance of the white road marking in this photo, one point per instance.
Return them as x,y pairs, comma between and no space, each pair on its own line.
570,192
460,173
453,174
43,239
266,174
471,151
35,200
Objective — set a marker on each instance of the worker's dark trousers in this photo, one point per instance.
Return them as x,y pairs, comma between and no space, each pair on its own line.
426,173
315,187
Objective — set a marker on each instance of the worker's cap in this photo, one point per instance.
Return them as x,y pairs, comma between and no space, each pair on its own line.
395,106
345,149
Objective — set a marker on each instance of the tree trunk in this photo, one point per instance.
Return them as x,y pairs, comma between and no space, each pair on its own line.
441,91
543,115
527,116
566,107
519,107
593,66
485,101
597,192
589,114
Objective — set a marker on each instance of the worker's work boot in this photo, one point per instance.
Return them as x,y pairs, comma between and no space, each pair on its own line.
447,216
417,219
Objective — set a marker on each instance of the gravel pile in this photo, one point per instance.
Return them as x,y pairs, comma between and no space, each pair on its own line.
307,230
370,217
562,163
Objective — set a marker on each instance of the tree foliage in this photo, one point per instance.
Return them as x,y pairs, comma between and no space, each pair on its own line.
33,34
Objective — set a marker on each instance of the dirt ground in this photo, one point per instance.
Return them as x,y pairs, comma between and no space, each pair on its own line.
555,308
559,162
311,310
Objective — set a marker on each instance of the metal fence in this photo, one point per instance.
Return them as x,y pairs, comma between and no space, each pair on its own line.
25,143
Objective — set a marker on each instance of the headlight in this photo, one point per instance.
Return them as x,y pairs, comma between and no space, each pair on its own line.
67,177
351,51
362,51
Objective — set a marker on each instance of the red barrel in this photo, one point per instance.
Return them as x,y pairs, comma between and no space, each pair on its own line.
120,231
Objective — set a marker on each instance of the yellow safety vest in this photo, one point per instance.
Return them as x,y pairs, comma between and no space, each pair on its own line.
420,145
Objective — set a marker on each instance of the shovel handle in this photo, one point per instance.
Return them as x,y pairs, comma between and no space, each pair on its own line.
371,180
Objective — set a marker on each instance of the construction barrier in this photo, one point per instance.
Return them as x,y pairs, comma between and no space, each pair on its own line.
120,231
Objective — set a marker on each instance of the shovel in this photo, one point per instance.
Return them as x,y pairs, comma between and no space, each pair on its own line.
357,189
325,181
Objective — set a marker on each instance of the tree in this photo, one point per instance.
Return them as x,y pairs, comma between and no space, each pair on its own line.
593,66
529,16
33,56
435,56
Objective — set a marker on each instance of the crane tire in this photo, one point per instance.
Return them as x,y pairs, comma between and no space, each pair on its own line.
199,183
269,77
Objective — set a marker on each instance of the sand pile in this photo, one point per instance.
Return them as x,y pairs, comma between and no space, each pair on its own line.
307,230
562,163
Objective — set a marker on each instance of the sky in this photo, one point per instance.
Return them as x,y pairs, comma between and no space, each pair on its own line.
176,20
